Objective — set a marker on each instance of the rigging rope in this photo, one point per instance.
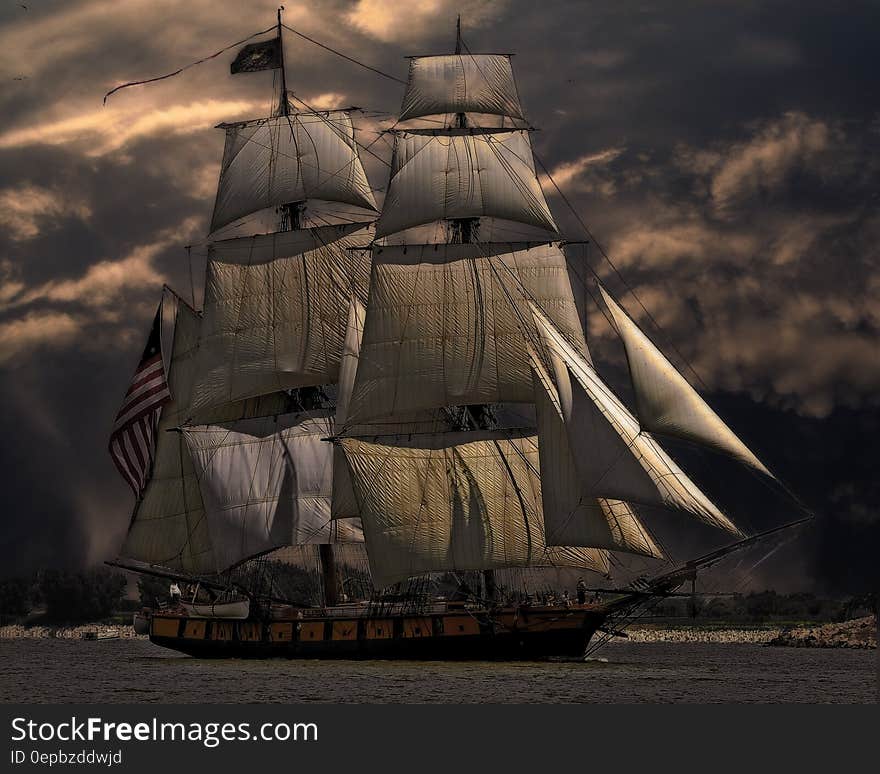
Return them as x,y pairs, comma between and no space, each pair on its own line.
186,67
344,56
614,268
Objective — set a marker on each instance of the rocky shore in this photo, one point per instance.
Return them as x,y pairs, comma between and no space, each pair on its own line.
729,636
83,632
859,633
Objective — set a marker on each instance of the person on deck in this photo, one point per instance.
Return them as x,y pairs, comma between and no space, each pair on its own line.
581,591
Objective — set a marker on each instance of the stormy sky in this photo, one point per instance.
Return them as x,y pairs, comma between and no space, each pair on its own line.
725,154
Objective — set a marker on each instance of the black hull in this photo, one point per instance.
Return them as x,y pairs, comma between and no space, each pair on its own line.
539,636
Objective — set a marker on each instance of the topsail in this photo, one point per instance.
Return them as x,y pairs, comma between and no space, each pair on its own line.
275,311
447,324
457,83
277,161
459,174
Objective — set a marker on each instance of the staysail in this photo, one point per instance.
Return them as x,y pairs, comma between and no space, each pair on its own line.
343,501
665,401
573,515
614,457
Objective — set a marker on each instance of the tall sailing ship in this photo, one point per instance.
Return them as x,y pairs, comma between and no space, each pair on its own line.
413,385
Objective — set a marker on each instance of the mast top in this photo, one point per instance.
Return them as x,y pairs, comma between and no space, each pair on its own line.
284,105
458,34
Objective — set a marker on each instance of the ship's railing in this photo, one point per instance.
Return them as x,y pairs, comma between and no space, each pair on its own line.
368,609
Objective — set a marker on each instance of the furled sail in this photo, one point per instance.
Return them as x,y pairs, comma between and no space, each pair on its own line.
460,175
665,401
614,457
285,159
445,325
168,526
460,83
441,503
267,482
573,516
276,310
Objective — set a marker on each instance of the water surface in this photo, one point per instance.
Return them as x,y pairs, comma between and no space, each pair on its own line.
131,671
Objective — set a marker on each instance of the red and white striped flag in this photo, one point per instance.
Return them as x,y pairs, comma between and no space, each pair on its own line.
133,440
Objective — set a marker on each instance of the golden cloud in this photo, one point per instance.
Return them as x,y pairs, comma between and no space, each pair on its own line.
570,171
37,330
109,129
24,208
389,20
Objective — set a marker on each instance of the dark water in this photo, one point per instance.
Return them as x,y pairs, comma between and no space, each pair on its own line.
136,671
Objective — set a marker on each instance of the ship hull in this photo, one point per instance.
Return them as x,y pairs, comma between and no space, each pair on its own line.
523,634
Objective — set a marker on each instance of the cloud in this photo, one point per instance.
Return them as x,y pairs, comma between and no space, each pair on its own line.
764,162
10,282
102,131
605,58
329,100
682,238
25,208
743,287
76,32
105,282
573,171
389,20
37,330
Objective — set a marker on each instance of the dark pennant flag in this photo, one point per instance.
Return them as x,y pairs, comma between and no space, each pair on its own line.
133,440
258,56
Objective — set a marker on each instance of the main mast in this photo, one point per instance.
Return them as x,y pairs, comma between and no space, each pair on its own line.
444,484
292,219
464,231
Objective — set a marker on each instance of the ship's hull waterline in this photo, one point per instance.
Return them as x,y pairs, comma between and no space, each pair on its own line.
525,633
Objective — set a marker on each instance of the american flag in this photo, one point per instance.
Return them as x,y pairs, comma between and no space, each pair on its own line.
132,441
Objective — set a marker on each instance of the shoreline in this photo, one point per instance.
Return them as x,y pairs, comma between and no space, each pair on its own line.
101,631
728,635
857,634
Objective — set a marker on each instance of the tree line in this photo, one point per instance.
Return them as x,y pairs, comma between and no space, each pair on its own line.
64,596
